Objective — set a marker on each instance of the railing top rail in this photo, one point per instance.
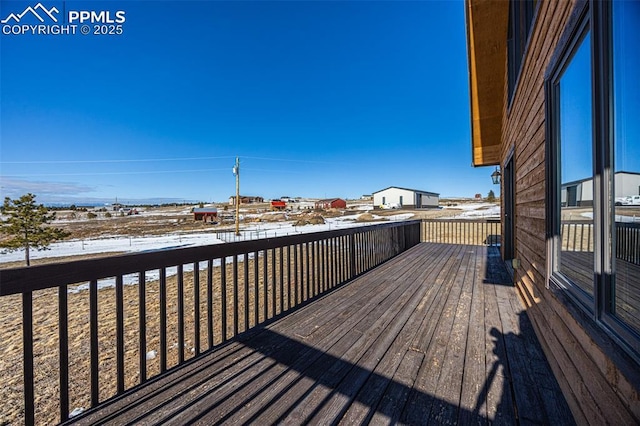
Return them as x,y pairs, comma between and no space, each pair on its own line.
25,279
577,221
462,220
633,225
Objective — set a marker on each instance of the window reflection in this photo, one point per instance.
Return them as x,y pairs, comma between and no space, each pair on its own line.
576,170
626,181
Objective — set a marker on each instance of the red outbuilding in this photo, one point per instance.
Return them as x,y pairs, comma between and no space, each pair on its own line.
331,203
207,214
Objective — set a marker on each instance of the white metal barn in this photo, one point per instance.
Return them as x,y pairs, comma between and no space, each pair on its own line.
580,193
395,196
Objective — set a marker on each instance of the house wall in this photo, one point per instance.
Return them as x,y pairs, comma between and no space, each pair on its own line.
594,381
627,184
339,204
427,200
392,195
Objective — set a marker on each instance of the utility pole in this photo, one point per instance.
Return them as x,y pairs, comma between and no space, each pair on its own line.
236,172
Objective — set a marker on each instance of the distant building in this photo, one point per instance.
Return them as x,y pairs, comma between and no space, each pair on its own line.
244,199
331,203
405,198
207,214
366,197
579,193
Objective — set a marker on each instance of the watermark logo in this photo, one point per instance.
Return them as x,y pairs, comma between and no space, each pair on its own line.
33,11
40,20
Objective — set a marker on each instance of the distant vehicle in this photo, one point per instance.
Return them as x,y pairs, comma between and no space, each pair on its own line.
388,206
633,200
128,211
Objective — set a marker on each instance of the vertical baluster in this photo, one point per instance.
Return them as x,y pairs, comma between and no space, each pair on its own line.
163,319
265,285
27,350
180,301
292,296
93,340
63,340
223,297
281,262
314,267
273,283
196,307
142,326
331,263
120,333
325,264
335,260
256,288
235,295
308,264
246,291
210,303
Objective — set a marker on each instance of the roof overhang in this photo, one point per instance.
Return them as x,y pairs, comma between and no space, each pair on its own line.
487,22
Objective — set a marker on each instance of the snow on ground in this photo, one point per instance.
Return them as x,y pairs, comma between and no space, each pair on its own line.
619,218
213,236
473,211
186,239
177,240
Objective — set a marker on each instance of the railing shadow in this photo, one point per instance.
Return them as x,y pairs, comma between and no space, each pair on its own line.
517,386
344,384
519,364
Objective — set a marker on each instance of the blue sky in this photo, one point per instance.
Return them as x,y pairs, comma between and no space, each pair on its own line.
318,99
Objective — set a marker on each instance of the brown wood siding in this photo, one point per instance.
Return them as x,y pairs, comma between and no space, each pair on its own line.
597,391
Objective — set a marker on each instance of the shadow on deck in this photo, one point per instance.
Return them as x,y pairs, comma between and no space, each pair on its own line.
435,335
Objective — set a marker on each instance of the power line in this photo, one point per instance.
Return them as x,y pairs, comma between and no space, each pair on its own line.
293,160
140,160
115,173
151,160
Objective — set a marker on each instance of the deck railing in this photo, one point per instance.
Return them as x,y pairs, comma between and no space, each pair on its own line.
577,236
462,231
181,302
118,321
628,242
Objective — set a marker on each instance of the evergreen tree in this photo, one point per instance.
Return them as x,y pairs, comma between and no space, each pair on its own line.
491,197
26,226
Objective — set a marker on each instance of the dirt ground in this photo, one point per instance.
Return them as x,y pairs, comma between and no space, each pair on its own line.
179,219
154,221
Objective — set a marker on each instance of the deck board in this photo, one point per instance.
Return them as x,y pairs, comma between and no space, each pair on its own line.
435,335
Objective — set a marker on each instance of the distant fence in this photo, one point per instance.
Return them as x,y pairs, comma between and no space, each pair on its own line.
109,336
628,242
577,236
461,231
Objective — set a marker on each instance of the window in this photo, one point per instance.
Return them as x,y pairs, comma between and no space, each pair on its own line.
625,217
576,169
593,166
570,110
521,14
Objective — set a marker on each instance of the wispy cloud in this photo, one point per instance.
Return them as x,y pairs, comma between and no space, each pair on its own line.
66,193
12,187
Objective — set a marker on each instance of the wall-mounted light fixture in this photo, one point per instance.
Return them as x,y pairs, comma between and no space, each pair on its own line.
495,177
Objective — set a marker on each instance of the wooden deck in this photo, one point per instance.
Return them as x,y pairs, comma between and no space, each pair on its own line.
435,335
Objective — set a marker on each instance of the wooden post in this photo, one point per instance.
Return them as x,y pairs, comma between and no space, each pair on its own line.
236,171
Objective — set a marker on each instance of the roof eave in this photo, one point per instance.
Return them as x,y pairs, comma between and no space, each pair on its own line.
486,22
